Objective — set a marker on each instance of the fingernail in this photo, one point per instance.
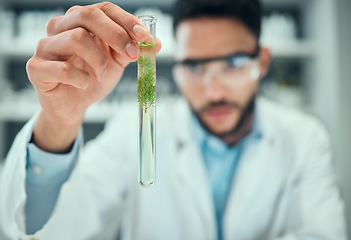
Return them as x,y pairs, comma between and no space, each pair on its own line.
132,50
139,31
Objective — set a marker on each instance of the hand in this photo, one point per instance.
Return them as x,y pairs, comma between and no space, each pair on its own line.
79,63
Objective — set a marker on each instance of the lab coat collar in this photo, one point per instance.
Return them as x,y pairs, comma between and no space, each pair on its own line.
192,172
188,144
205,138
253,172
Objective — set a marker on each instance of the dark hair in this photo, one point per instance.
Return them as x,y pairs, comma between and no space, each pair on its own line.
249,12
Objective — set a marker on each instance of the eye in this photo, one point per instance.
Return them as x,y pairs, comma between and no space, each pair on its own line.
193,66
237,61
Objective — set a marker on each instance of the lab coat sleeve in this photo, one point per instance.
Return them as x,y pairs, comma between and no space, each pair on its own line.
98,181
314,207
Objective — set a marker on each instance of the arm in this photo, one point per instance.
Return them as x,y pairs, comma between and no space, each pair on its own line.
79,63
98,182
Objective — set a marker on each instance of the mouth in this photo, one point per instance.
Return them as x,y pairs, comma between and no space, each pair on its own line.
218,113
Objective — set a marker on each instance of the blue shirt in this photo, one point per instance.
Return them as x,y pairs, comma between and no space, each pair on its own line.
221,162
46,172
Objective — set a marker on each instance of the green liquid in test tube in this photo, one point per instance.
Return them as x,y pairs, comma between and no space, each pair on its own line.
147,107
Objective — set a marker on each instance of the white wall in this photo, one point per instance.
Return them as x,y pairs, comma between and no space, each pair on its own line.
344,69
330,29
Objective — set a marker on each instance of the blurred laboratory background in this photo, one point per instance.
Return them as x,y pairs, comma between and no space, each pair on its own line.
310,42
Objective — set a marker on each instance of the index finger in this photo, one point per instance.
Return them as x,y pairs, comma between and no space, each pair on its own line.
136,30
97,22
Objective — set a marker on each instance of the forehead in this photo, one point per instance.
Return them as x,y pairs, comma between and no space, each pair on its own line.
206,37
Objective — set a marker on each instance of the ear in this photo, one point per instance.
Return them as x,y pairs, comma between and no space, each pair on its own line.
265,58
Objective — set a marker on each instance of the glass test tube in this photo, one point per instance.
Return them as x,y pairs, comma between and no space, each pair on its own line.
147,101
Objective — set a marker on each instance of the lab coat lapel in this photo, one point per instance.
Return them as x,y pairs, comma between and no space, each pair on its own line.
250,177
256,176
192,174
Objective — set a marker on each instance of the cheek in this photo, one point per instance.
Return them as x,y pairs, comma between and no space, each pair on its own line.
194,95
242,94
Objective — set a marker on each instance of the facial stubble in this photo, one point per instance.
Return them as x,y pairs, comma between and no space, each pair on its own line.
246,114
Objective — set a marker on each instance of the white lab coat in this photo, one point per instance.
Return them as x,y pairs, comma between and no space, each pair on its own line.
284,187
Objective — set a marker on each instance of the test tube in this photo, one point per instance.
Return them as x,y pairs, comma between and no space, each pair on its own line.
147,104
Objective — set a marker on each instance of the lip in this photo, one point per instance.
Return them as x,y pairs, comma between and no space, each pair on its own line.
218,113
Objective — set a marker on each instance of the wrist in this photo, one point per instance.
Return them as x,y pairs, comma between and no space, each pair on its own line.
53,135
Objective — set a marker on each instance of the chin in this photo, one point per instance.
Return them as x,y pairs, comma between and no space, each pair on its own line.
219,130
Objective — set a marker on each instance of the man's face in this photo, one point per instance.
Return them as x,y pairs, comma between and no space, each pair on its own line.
217,100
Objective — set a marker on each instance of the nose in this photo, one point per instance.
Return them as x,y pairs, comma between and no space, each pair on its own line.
213,87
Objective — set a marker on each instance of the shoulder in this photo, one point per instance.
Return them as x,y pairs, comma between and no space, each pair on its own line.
278,117
300,138
301,133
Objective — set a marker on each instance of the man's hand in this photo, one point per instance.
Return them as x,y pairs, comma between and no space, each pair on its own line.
79,63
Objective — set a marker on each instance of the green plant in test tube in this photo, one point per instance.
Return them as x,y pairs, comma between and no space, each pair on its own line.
147,104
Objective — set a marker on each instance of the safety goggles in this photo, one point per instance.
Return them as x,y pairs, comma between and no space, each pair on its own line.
229,70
